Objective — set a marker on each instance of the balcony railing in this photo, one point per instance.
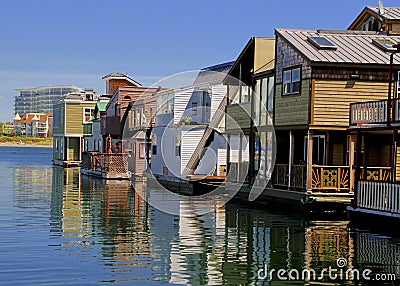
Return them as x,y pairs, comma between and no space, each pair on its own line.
105,163
298,176
374,112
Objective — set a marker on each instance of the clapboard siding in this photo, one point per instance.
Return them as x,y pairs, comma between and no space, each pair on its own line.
332,99
74,117
292,109
189,141
218,92
181,99
238,115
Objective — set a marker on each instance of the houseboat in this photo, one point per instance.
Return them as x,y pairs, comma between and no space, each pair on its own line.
306,92
188,145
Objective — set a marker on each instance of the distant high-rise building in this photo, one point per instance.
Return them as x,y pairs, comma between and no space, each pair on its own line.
40,99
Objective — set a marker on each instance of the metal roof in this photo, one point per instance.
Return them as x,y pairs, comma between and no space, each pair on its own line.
118,75
389,13
213,74
353,47
101,106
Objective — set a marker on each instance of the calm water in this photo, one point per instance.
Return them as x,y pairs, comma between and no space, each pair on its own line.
58,228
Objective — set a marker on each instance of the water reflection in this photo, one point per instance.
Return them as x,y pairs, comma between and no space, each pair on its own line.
107,233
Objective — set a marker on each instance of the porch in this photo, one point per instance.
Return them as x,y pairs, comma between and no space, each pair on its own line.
104,165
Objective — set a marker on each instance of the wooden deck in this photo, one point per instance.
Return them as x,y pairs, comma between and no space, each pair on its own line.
104,165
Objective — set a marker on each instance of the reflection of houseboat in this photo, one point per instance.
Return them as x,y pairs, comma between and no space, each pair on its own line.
315,75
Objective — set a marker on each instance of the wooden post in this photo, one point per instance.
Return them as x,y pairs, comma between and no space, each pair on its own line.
228,154
240,157
357,173
351,161
394,155
309,159
291,145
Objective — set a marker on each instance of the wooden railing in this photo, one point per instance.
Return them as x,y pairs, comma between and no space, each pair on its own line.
334,178
107,163
379,196
382,174
374,112
298,175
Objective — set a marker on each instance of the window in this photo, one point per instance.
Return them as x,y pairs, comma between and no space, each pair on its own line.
154,144
291,81
142,150
384,44
88,114
322,43
194,109
178,145
56,118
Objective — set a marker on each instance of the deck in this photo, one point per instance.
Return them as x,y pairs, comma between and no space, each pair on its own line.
104,165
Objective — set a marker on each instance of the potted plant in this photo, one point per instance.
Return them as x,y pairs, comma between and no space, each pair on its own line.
186,120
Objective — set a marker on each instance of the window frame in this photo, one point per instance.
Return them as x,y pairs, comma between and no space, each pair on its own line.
91,111
291,69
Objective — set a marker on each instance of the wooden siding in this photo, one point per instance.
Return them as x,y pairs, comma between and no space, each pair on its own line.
238,115
189,140
332,99
181,99
74,117
286,57
292,109
218,93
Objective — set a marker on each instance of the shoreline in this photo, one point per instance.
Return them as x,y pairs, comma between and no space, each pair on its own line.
9,144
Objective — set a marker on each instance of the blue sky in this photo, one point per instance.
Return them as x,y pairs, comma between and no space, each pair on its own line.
47,42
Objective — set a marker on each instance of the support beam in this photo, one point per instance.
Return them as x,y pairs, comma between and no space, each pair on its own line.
394,155
291,149
352,146
309,159
240,159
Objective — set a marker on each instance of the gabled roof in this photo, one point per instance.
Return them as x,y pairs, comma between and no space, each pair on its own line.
118,75
256,57
28,118
101,106
390,14
214,73
352,47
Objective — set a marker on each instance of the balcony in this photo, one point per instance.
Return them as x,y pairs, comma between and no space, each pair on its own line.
238,116
111,125
104,165
374,113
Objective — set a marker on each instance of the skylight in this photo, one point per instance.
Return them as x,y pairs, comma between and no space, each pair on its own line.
322,43
383,44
